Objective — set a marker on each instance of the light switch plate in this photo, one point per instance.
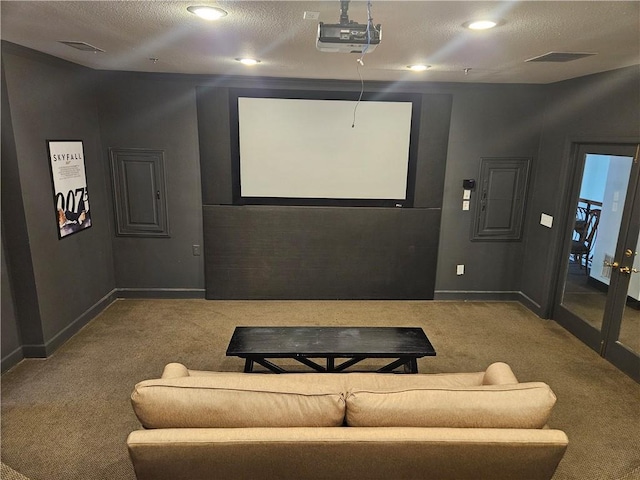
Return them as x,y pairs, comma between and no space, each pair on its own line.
465,205
546,220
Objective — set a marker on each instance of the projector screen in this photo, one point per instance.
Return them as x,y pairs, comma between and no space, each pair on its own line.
316,151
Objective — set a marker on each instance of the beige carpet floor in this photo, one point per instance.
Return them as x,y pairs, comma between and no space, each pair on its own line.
8,473
67,417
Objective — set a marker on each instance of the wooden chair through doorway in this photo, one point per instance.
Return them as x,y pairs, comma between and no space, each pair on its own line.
586,228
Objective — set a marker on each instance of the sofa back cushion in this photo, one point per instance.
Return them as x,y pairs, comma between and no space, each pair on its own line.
233,400
524,405
393,382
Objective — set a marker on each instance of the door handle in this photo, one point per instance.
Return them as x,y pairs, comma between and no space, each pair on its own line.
628,270
608,264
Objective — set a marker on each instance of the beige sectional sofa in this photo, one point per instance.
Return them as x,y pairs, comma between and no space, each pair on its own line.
253,426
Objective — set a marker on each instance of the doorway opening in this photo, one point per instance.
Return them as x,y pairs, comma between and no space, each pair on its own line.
598,297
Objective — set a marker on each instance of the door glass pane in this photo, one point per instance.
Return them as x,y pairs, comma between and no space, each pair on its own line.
630,326
598,214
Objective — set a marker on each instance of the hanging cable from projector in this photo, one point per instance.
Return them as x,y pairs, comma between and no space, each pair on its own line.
360,62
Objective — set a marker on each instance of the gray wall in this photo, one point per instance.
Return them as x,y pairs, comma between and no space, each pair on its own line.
158,112
11,346
486,121
59,284
600,108
20,287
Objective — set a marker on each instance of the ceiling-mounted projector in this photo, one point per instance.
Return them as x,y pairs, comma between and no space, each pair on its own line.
348,36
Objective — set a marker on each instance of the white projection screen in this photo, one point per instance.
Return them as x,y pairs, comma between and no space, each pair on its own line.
293,148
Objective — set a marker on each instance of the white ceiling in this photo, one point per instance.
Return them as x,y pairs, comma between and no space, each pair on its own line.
132,32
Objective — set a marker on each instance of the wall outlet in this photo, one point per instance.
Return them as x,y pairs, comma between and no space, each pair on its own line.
459,269
196,250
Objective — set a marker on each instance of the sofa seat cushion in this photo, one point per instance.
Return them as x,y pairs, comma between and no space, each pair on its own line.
524,405
237,400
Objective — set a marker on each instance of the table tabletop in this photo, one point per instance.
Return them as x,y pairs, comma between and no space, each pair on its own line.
282,342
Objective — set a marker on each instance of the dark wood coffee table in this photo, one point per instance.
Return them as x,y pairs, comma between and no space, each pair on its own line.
355,344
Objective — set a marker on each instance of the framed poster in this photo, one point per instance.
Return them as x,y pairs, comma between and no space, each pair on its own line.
70,196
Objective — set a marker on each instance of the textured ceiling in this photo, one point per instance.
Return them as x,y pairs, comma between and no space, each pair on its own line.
130,33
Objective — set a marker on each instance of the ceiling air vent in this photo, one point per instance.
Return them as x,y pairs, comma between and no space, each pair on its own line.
85,47
559,57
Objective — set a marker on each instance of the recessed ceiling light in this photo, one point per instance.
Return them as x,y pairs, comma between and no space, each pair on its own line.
418,68
481,24
248,61
208,13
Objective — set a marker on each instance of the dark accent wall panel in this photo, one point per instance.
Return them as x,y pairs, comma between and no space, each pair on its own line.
432,150
271,252
215,145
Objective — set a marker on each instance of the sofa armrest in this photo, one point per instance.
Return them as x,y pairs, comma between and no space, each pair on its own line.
371,453
499,373
175,370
